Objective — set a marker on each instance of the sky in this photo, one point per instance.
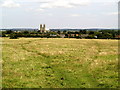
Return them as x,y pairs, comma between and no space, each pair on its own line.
59,13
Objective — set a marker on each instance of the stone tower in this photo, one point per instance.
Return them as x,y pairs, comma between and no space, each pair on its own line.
42,28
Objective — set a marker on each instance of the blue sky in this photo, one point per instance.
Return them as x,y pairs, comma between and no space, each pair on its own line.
59,13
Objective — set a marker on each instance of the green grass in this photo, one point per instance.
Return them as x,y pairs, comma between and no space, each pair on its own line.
59,63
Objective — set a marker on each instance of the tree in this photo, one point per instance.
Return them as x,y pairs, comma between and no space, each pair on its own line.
3,34
91,32
58,32
90,37
64,32
83,31
9,32
104,36
13,36
26,32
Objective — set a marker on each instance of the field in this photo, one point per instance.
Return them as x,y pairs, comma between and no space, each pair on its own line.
59,63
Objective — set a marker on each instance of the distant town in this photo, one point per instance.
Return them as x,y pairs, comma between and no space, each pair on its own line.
42,32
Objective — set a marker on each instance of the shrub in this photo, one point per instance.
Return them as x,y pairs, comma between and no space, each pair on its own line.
13,36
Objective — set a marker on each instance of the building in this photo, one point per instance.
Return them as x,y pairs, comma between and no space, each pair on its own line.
42,28
62,35
117,36
84,35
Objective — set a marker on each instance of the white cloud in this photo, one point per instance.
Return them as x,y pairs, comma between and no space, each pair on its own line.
109,3
50,14
10,4
112,13
75,15
39,9
63,3
69,0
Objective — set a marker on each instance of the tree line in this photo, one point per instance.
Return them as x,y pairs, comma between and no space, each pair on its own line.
101,34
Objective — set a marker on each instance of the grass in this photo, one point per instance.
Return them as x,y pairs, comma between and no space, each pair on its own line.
59,63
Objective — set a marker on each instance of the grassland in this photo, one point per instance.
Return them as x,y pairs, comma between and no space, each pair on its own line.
59,63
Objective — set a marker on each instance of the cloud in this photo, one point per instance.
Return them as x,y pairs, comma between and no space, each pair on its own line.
50,14
68,0
63,3
39,9
75,15
10,4
112,13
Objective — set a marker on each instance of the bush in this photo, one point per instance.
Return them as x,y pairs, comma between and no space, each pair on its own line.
90,37
13,36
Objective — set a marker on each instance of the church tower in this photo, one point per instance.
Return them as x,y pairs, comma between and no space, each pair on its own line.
42,28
